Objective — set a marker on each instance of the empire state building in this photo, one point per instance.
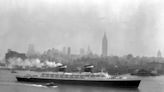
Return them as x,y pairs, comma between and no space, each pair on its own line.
104,46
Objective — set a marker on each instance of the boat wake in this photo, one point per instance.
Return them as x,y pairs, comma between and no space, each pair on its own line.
39,85
34,85
20,84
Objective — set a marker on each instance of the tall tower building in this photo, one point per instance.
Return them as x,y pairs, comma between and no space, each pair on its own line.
69,51
89,51
104,46
159,54
82,52
31,50
64,50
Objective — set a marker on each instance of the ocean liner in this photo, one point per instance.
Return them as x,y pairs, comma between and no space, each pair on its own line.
81,78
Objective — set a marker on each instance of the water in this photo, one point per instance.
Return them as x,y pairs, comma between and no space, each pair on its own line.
8,83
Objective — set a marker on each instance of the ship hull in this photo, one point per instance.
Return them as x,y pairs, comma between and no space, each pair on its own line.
105,83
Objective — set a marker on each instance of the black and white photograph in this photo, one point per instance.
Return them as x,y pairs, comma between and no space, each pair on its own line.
81,46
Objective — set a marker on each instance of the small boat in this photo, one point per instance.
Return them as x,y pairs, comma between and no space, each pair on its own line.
13,71
49,84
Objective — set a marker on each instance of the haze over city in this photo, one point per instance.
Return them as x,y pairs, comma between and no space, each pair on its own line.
131,26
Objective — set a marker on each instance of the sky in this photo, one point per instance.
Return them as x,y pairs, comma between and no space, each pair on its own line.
131,26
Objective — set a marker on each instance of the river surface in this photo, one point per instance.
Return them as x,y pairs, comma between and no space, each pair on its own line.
8,83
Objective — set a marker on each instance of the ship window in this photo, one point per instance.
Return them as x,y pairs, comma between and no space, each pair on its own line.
66,76
46,75
43,75
56,75
102,76
35,75
87,75
52,75
71,76
82,76
97,75
76,76
92,75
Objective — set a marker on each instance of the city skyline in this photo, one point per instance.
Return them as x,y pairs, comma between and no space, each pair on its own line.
135,29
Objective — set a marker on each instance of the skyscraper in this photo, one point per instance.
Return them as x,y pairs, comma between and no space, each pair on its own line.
69,51
104,46
64,50
82,51
159,54
89,51
31,50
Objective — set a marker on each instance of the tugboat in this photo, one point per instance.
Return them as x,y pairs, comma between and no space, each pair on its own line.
81,78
